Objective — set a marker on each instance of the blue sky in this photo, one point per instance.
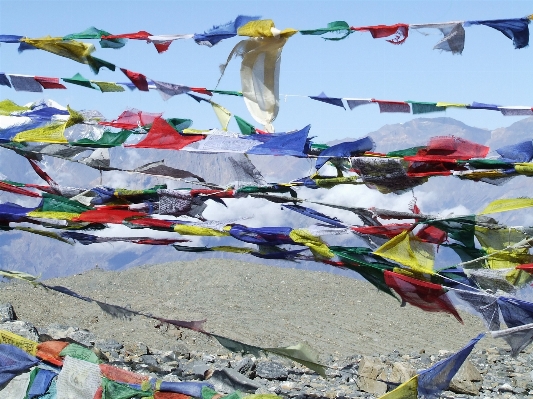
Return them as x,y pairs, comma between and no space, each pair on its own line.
489,70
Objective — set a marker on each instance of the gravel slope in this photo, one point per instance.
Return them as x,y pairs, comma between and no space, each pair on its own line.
260,305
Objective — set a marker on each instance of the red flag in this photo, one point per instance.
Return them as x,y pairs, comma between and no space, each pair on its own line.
107,216
17,190
388,230
49,83
422,294
162,135
132,119
141,35
400,32
138,79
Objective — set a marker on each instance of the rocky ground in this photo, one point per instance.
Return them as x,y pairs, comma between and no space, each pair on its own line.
368,342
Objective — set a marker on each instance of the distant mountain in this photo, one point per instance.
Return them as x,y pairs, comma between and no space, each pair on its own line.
41,255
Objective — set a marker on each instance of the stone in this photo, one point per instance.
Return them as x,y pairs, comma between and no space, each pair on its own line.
523,381
372,386
84,337
271,371
6,312
22,328
505,388
228,380
398,374
208,358
59,331
108,345
244,366
370,367
467,380
194,370
150,360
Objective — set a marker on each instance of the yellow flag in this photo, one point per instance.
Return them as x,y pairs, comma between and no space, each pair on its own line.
484,174
493,241
264,28
408,390
518,277
188,230
54,215
72,49
443,104
524,168
414,274
223,115
48,134
315,244
334,181
194,131
19,275
8,106
237,250
409,251
27,345
510,204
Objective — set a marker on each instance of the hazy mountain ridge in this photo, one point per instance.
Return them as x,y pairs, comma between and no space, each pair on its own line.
41,255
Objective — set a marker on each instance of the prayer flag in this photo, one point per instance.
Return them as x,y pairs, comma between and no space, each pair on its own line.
340,27
138,79
400,32
515,29
433,381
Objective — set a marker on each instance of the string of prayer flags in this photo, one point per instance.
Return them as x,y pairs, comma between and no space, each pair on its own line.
339,27
399,31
